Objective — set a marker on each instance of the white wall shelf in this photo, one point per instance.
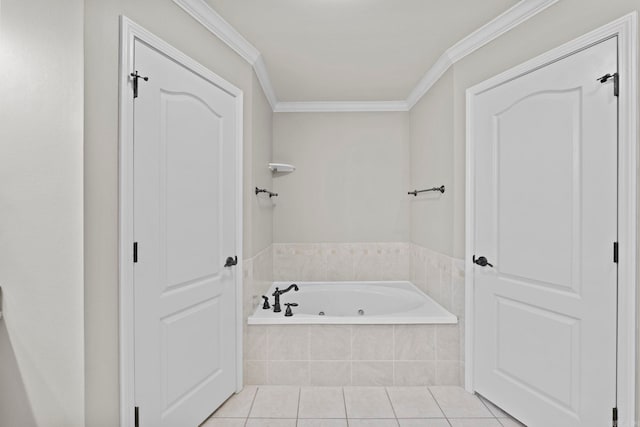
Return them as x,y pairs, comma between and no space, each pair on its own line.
281,167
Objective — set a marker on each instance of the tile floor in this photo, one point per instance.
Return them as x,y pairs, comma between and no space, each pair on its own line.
286,406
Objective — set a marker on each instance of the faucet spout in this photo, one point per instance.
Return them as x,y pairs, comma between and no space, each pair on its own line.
293,286
277,293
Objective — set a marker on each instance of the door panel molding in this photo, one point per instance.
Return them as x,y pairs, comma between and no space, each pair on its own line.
625,28
129,33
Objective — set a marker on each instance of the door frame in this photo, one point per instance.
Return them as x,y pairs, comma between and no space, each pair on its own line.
129,33
625,28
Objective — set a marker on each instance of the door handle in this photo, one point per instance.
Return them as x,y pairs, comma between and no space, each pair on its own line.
231,261
481,261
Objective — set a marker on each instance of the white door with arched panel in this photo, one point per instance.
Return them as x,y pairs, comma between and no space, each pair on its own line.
545,192
185,227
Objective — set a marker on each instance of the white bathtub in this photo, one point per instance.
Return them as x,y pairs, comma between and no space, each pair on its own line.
378,303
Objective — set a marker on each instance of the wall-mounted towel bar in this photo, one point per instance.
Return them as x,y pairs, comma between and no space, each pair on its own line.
415,192
262,190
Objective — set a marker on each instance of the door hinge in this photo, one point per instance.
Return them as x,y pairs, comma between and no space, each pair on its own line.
136,416
615,417
615,252
135,76
616,82
135,251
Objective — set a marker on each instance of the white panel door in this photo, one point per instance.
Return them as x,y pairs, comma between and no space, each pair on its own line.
545,163
184,226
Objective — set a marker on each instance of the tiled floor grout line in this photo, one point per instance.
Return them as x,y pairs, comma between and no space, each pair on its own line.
251,406
485,404
439,407
386,391
344,400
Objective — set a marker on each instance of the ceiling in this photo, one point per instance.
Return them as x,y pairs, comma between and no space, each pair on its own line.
353,50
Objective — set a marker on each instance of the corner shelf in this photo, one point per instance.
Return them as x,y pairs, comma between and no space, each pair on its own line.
281,168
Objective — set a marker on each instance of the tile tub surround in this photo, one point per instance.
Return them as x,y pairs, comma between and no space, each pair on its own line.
352,355
442,278
257,278
309,262
281,406
438,275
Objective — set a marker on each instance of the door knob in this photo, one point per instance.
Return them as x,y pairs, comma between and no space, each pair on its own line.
231,261
481,261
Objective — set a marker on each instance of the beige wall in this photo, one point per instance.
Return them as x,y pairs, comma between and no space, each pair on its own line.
432,166
351,180
41,332
262,211
169,22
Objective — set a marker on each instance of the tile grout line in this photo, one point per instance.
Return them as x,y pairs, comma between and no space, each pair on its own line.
298,409
344,401
439,407
482,399
386,391
393,358
251,406
351,332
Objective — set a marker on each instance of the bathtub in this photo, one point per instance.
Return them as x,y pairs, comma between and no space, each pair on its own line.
380,303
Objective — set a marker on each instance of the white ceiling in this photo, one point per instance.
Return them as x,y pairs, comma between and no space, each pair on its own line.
353,50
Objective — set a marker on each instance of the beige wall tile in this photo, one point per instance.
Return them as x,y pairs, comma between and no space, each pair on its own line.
447,342
255,345
414,373
448,372
289,342
367,259
255,372
372,373
339,261
332,373
414,342
372,342
288,373
330,342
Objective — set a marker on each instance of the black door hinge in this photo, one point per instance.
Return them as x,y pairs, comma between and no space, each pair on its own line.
135,76
615,417
616,82
615,252
135,251
136,416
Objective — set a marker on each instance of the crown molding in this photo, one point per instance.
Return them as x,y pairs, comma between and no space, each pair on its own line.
263,77
209,18
340,106
216,24
504,22
511,18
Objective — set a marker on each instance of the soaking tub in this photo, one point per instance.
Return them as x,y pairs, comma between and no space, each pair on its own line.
397,302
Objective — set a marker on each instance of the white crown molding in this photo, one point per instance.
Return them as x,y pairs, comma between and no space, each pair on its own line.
209,18
263,77
216,24
511,18
340,106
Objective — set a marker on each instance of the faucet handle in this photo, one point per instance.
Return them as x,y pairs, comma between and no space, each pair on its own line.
276,292
289,313
266,305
